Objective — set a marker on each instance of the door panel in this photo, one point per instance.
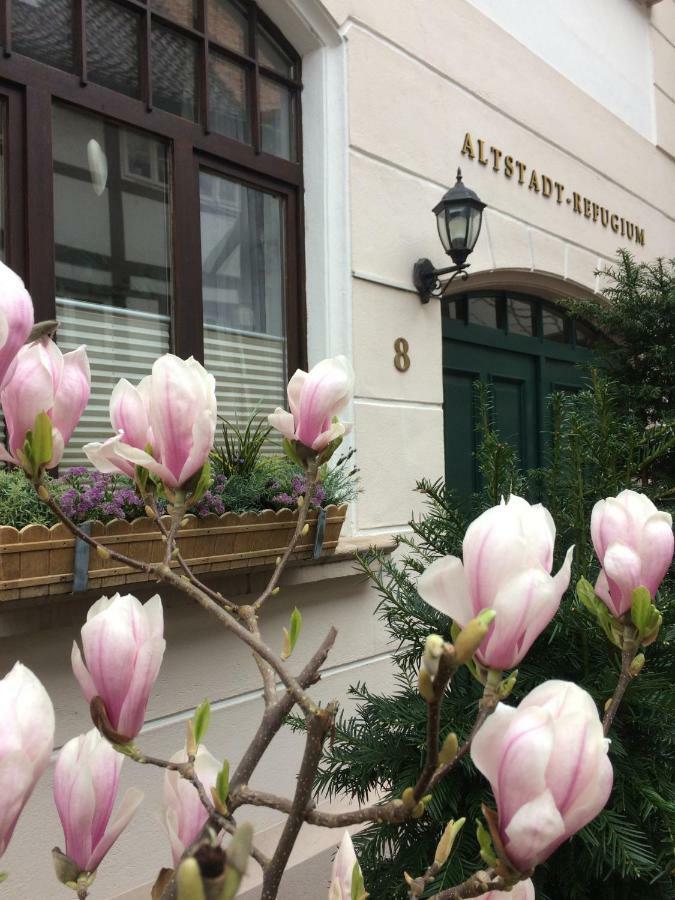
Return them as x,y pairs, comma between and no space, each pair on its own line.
514,402
521,365
460,435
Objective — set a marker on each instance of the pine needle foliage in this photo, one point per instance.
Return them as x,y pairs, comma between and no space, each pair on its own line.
596,450
639,320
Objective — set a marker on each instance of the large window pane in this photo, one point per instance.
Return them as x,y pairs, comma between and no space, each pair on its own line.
243,295
174,72
277,119
113,46
228,106
228,24
113,258
43,29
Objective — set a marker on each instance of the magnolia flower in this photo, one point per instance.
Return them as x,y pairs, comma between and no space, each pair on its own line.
165,425
634,543
86,781
524,890
315,398
123,646
345,869
508,556
548,766
185,814
16,319
44,380
26,740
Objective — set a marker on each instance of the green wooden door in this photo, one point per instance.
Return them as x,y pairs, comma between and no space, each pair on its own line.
523,349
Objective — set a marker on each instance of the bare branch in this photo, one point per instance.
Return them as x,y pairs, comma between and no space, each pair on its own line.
312,480
481,883
275,716
630,648
446,669
317,729
250,620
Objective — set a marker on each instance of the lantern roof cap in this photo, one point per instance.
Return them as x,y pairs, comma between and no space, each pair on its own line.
457,194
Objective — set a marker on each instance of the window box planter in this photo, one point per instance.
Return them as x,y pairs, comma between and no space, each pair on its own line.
38,561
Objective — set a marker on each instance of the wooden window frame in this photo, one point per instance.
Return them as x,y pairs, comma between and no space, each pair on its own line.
31,88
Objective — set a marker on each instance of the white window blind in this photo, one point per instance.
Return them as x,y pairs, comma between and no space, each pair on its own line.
121,343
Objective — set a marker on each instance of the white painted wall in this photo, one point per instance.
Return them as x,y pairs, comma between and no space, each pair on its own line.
602,46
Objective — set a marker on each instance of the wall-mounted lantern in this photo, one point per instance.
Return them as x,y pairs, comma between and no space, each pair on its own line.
459,216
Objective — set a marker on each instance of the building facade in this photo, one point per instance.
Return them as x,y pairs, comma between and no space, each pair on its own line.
252,184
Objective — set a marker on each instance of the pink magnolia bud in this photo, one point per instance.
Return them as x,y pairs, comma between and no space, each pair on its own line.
343,871
634,543
123,647
45,380
185,814
548,766
26,740
315,398
508,557
166,424
86,781
524,890
16,319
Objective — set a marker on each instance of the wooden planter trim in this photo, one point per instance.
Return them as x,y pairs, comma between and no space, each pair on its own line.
39,560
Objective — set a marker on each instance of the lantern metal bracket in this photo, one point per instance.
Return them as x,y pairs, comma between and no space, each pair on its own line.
427,279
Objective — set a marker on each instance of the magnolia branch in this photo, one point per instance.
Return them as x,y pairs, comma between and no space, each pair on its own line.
164,573
487,706
629,649
446,669
481,883
318,728
273,583
274,717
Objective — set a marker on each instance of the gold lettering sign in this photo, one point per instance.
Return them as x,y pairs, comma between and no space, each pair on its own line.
539,183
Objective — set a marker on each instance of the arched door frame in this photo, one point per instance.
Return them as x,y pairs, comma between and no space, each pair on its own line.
539,284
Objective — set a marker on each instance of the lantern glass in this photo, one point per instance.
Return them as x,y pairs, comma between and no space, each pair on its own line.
457,223
442,229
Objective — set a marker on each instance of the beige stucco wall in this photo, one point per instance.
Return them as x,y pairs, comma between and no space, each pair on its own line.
201,661
421,75
418,74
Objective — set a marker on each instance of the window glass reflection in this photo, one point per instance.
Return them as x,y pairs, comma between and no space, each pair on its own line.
585,336
113,255
242,234
228,106
182,11
520,315
174,72
276,117
483,311
43,29
113,46
228,24
555,326
272,56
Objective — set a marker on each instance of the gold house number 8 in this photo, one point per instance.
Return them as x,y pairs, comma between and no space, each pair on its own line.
401,358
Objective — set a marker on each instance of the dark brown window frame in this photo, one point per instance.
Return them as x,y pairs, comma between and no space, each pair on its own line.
30,88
